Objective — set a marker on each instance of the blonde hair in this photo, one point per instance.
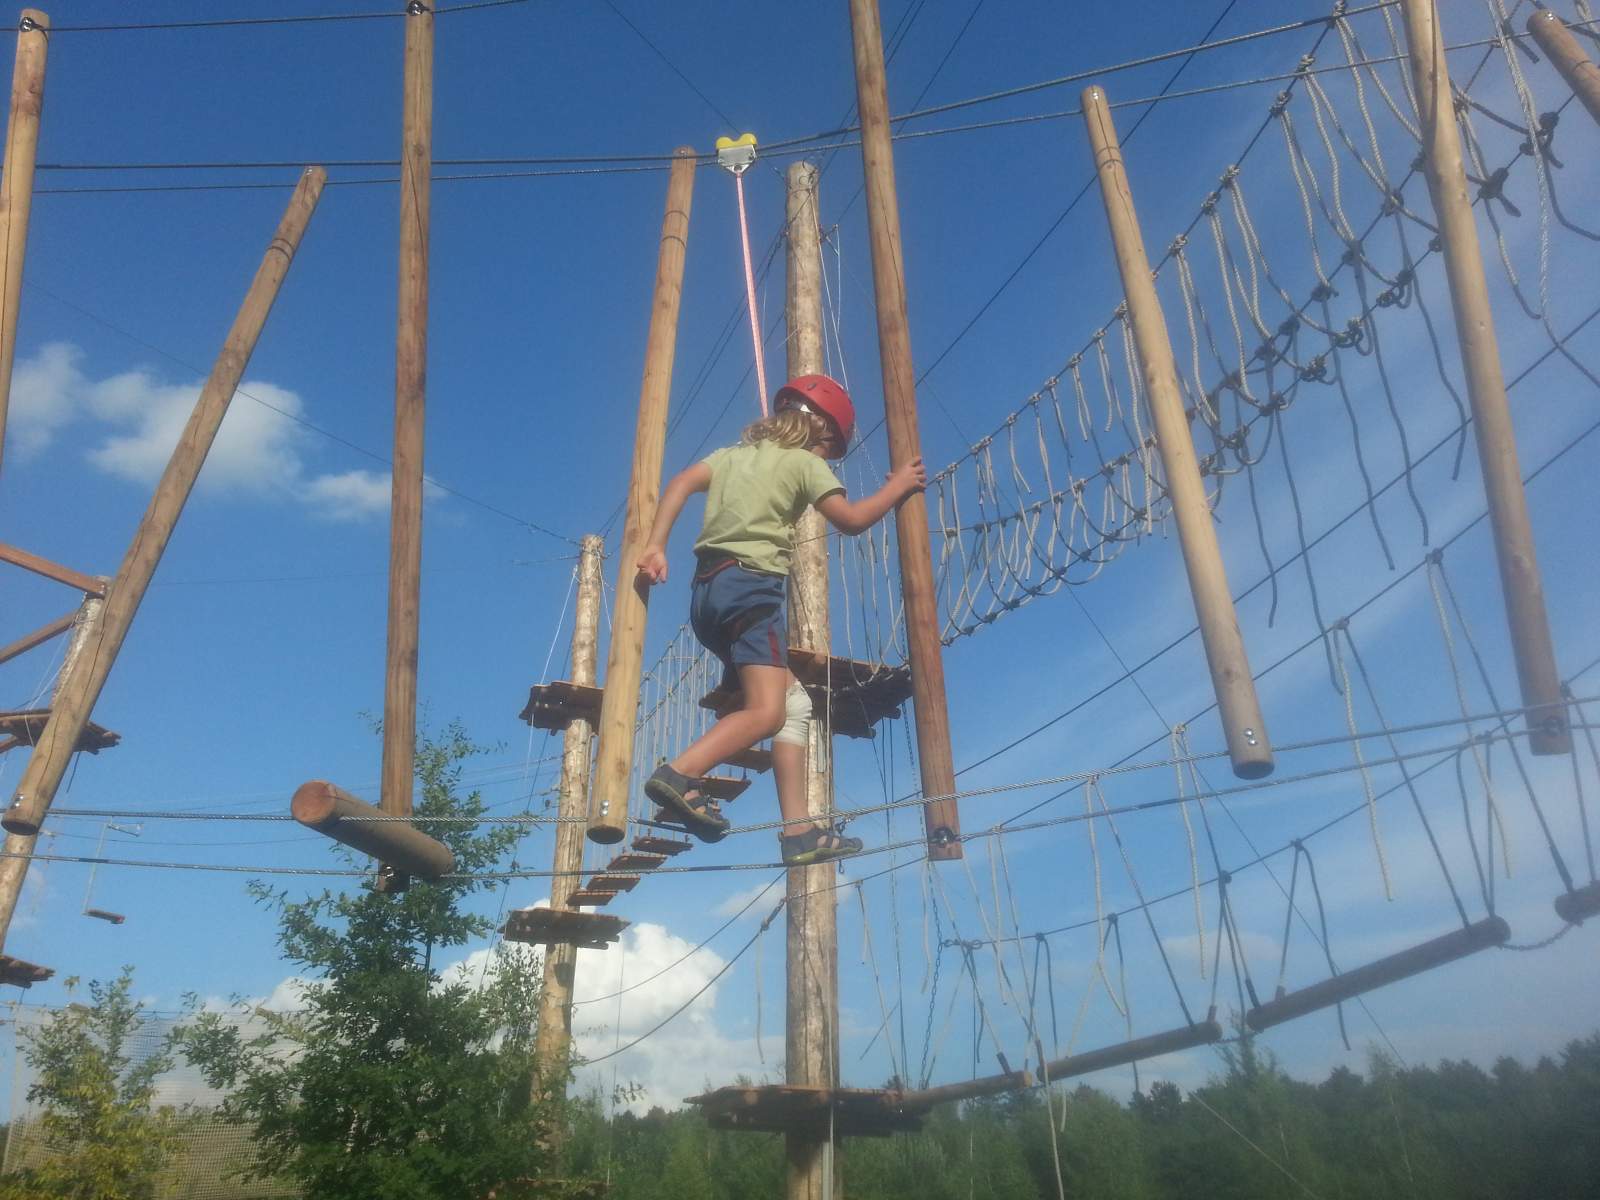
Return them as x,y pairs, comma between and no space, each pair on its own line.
792,429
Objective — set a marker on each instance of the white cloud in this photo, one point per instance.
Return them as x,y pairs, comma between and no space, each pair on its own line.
260,451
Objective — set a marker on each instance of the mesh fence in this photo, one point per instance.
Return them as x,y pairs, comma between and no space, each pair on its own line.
211,1153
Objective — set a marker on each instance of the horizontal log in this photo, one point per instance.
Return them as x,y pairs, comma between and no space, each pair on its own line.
1185,1037
1410,961
335,813
989,1085
89,585
1572,907
38,637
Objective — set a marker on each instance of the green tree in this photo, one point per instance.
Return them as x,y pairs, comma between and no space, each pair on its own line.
109,1137
390,1081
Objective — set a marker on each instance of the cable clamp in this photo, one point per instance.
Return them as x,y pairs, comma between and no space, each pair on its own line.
27,25
735,155
416,8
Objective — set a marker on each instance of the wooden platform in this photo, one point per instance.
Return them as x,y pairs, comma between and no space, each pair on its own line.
650,844
612,883
22,974
780,1108
757,758
23,727
554,706
100,914
631,862
560,926
587,897
857,694
724,787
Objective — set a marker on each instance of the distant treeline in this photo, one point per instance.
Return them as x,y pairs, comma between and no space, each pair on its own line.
1451,1132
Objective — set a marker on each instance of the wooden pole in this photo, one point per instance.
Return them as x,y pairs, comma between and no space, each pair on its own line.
1184,1038
16,186
554,1040
410,393
1564,53
940,815
13,871
1486,389
73,707
348,819
608,813
811,1056
1242,723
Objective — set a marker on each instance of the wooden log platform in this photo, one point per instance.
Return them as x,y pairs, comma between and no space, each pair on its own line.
857,694
22,974
563,927
24,726
587,897
612,883
632,863
786,1108
554,706
724,787
650,844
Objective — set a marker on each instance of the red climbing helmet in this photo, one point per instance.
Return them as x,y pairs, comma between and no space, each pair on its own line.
823,396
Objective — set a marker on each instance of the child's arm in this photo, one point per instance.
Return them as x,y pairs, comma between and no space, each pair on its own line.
652,562
857,516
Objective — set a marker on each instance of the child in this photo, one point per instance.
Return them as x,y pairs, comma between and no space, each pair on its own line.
756,492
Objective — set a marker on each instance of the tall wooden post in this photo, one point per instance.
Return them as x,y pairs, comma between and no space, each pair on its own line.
811,1055
1242,724
73,706
555,1002
1567,57
410,394
1548,728
940,815
13,871
608,813
16,186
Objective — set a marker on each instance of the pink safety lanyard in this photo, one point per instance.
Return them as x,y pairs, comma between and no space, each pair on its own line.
750,295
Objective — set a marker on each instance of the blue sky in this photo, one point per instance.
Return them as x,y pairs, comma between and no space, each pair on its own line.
260,647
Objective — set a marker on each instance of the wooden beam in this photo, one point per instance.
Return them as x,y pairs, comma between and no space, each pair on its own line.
38,637
410,395
1411,961
811,1044
1567,57
89,585
1486,389
608,811
940,814
352,822
75,703
969,1089
1183,1038
1249,749
16,186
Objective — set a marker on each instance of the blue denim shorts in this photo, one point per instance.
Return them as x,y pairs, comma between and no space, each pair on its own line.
741,616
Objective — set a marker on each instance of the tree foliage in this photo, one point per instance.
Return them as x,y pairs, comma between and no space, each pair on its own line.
109,1137
390,1080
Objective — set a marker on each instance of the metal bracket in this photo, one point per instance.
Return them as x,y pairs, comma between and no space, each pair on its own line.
736,156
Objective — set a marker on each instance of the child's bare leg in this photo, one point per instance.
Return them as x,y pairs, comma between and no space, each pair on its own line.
789,773
761,717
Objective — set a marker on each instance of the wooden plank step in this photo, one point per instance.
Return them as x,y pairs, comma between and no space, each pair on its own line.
26,725
632,863
554,706
724,787
583,896
781,1108
856,694
22,974
561,926
650,844
757,758
612,883
100,914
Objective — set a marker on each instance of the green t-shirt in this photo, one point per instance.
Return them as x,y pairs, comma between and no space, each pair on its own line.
757,494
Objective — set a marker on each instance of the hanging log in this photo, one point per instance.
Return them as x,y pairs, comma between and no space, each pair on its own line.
619,709
1486,388
1414,960
16,185
75,702
1183,1038
1567,57
335,813
968,1089
1574,906
1242,724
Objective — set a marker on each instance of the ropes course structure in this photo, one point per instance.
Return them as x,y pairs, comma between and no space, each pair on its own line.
1133,908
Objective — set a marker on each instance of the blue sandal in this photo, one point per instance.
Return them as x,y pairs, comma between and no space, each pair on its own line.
698,813
817,845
